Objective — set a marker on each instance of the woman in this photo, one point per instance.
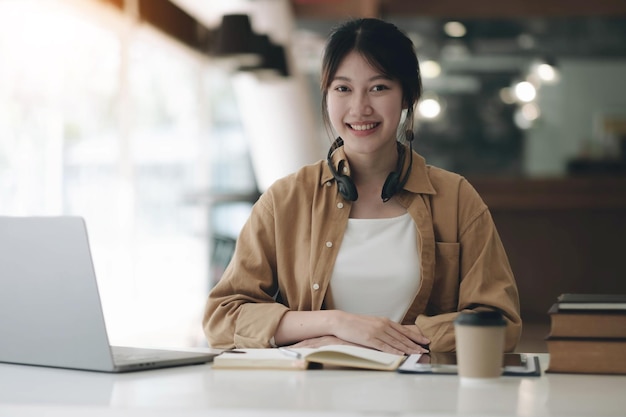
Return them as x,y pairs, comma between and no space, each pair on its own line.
371,247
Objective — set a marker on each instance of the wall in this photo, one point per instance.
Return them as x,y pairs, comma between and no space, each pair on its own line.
561,235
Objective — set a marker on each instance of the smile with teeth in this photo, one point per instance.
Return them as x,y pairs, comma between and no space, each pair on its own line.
366,126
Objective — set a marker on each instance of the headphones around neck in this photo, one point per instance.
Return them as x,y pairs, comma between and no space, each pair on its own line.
392,184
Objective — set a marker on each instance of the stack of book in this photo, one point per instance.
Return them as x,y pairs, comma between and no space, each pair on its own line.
588,334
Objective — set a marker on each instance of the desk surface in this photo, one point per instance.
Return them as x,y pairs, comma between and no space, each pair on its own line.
200,390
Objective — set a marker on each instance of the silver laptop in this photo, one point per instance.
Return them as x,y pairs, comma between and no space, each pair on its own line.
50,310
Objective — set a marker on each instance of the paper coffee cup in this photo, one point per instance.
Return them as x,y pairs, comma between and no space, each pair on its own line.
480,344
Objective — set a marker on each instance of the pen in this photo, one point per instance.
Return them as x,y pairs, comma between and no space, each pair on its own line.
290,353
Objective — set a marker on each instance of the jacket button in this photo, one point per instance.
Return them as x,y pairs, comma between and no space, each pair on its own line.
329,244
340,205
316,287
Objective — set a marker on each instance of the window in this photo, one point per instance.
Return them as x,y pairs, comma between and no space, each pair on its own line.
107,119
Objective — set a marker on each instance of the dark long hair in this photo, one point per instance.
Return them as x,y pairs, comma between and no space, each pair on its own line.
385,48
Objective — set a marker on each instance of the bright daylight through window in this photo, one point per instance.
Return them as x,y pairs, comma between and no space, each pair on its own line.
104,118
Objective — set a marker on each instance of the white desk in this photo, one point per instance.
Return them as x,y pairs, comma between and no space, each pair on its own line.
202,391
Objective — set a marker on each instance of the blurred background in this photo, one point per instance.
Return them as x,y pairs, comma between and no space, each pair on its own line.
161,121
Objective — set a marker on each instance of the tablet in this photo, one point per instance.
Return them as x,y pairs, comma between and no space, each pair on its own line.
515,364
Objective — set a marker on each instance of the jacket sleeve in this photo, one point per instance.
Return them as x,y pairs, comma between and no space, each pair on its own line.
484,279
241,310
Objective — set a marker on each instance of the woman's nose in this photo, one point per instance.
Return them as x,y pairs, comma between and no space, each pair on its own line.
361,104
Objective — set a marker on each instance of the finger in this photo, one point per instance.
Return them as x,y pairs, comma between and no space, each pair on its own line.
375,335
415,334
386,347
412,332
389,336
394,346
388,343
398,338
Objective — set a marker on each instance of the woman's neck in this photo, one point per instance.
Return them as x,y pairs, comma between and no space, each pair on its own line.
371,170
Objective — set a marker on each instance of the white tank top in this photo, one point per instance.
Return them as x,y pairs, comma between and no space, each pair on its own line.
377,271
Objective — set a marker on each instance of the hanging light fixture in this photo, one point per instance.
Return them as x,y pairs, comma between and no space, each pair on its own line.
234,39
272,56
237,43
234,35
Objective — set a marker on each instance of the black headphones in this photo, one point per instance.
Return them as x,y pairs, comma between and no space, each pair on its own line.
393,183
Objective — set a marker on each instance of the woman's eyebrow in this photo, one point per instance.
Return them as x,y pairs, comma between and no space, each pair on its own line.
374,78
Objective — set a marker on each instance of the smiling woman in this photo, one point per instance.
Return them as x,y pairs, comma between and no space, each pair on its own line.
319,263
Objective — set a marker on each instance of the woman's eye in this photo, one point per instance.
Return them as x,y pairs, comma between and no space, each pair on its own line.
341,88
379,87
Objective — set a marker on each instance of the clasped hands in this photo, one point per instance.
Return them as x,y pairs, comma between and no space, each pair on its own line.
373,332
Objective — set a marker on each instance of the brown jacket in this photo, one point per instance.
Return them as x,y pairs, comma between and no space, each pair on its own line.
286,251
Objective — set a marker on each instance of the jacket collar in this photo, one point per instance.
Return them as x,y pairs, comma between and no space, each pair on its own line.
418,182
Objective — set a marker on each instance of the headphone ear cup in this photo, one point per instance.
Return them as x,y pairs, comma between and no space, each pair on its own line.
391,186
347,188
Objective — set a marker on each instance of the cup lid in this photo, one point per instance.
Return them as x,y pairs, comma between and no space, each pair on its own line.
481,318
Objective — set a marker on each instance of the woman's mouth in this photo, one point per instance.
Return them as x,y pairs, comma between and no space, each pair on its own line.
363,127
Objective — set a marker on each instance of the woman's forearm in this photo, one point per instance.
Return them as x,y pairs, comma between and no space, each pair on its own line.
296,326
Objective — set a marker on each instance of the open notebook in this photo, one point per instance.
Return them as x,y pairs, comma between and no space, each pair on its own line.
306,358
50,311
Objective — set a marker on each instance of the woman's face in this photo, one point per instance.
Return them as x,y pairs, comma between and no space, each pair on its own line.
364,106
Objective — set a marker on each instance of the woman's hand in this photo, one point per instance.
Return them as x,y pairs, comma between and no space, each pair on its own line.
379,333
